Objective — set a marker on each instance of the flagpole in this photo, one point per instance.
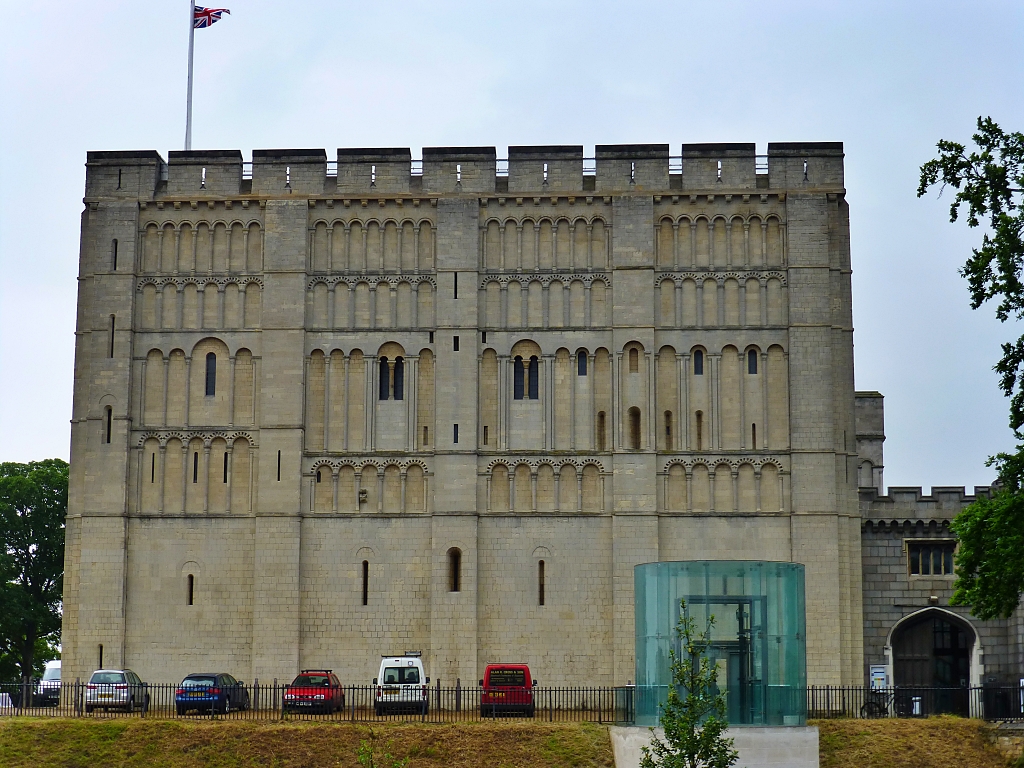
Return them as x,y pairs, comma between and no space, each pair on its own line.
191,41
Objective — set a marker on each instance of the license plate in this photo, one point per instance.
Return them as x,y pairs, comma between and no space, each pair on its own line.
196,695
305,703
498,695
106,695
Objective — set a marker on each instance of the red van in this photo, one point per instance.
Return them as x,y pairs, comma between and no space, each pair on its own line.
507,689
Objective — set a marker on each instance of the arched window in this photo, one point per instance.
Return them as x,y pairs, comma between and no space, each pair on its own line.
108,428
399,376
211,374
634,428
534,389
698,363
700,430
318,475
634,360
454,570
540,582
195,467
191,589
366,581
384,383
518,387
601,441
753,436
581,363
752,361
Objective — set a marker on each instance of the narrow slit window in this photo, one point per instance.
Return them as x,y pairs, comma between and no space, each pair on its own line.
224,478
318,475
483,337
455,343
455,434
113,255
698,363
485,435
195,467
278,466
719,170
534,376
384,383
109,426
454,570
634,428
366,581
152,468
118,186
601,430
540,582
100,665
700,430
751,362
211,374
668,429
191,589
373,183
426,434
517,378
455,284
110,345
634,360
753,436
581,363
431,336
399,379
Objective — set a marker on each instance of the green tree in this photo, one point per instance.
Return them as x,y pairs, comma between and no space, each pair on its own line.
33,505
989,181
695,722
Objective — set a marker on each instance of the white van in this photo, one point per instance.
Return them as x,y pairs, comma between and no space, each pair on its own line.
48,690
401,685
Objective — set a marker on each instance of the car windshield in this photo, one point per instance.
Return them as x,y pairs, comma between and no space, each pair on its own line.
198,682
401,675
507,677
312,680
107,678
51,673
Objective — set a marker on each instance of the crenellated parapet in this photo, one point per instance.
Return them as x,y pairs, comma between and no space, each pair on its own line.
544,170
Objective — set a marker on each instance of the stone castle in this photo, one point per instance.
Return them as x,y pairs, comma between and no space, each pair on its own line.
328,410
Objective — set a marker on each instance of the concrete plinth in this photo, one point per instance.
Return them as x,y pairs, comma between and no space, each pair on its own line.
759,747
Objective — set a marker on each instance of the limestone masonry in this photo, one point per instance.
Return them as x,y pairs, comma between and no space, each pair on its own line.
325,411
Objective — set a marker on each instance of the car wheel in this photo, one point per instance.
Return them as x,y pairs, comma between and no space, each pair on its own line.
88,709
180,711
424,708
529,711
226,708
378,710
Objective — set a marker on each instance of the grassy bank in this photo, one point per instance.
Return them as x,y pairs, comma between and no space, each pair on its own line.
935,742
60,743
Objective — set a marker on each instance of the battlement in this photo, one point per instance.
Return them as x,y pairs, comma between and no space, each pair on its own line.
911,504
527,170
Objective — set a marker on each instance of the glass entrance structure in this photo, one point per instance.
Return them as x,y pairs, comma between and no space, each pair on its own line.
758,642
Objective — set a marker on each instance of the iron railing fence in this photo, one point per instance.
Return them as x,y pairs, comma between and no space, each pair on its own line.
445,704
352,703
990,702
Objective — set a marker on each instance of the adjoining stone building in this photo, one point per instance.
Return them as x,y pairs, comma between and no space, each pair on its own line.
908,548
325,411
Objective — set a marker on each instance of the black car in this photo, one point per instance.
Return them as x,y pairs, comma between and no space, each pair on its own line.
211,691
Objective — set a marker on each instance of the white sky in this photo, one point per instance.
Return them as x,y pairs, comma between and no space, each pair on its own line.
889,79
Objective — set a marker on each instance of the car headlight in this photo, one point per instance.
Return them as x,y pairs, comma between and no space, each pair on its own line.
319,696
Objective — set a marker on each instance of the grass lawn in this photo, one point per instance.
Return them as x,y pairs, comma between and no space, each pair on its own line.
86,743
935,742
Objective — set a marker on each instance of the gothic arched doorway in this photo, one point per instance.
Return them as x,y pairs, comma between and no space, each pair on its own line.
933,651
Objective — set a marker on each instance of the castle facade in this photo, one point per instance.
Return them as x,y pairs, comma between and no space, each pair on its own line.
329,410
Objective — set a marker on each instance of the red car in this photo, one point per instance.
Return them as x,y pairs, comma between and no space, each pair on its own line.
507,689
314,690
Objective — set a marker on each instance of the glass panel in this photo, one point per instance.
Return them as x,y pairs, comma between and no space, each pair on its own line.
758,639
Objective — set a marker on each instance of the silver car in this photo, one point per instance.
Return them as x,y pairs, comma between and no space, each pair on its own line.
116,689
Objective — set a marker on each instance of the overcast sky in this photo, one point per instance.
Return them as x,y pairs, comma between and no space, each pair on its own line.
888,79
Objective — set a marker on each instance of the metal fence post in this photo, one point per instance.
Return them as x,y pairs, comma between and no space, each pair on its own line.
275,699
458,694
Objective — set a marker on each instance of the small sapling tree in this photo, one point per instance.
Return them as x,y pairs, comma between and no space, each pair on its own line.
371,755
695,721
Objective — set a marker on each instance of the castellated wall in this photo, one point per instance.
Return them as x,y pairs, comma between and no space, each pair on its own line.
325,411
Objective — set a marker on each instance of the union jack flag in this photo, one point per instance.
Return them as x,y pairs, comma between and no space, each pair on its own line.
204,17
